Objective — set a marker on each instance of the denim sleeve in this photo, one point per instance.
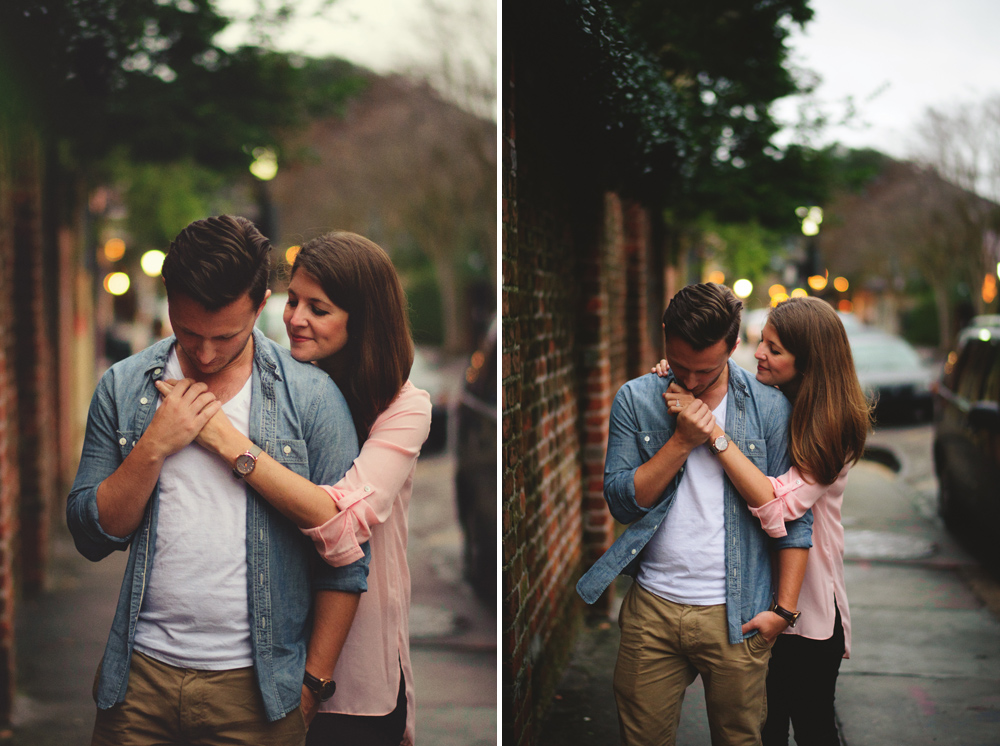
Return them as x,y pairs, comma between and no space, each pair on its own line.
622,460
800,530
100,458
333,445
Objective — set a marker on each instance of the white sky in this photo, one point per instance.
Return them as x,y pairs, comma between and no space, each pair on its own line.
896,58
384,35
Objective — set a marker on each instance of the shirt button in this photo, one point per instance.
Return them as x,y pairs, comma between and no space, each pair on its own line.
144,400
633,551
368,488
646,438
157,371
798,481
287,449
123,441
751,446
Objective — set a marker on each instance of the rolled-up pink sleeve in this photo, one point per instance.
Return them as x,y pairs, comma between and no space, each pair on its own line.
793,496
367,493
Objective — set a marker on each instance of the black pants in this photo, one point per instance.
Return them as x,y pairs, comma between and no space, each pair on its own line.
335,729
801,680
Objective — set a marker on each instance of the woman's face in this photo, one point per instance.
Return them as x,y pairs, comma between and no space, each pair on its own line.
775,364
317,328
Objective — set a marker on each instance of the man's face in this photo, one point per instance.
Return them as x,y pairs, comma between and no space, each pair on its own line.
210,341
699,371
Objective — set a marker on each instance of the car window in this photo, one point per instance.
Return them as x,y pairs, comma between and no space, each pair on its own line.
991,390
971,370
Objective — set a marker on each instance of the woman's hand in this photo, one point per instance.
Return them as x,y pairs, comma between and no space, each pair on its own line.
677,397
217,429
661,369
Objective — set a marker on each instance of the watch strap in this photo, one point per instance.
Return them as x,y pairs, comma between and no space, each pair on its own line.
322,688
789,616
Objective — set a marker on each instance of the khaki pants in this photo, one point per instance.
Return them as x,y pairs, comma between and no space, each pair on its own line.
664,646
168,705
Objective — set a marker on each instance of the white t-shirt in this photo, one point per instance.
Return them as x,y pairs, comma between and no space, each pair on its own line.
685,561
194,611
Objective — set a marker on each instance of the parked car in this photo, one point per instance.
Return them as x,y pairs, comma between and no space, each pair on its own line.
892,371
476,468
967,436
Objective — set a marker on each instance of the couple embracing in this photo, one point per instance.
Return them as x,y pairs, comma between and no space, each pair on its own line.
263,501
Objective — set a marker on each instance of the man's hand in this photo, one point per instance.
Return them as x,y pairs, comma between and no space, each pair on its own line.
695,421
768,624
213,434
309,705
183,413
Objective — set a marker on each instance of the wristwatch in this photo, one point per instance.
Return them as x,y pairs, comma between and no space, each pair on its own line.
789,616
246,462
322,688
718,445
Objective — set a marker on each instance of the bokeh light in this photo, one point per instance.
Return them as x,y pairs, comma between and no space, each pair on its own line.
114,249
817,282
291,252
778,298
117,283
841,284
717,277
776,290
742,288
152,262
800,293
265,164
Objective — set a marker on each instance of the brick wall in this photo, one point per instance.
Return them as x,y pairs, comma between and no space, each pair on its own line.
578,273
9,481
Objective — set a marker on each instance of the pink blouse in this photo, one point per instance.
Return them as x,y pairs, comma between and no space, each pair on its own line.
374,502
824,578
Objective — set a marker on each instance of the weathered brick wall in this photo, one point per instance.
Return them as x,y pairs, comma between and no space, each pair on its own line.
9,482
36,303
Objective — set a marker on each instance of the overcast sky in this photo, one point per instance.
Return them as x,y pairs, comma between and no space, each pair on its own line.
896,58
384,35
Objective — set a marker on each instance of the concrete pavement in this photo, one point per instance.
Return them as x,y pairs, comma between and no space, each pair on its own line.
925,667
61,634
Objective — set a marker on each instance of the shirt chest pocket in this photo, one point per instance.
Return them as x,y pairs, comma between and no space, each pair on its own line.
651,441
756,451
294,455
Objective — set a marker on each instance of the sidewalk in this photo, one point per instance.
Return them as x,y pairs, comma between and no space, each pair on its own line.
925,666
61,634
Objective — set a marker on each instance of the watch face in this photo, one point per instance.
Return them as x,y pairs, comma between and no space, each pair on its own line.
721,443
245,464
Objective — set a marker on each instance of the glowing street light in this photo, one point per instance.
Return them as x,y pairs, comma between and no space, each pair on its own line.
841,284
742,288
117,283
152,262
114,249
265,165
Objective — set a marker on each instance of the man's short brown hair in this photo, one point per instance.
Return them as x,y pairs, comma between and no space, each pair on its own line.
702,315
217,260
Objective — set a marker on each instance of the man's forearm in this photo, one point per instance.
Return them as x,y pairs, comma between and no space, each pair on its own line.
654,476
122,496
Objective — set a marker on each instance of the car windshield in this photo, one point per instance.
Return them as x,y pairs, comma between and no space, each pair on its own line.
884,354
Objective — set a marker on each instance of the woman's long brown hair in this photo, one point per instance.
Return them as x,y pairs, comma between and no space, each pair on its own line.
831,418
358,276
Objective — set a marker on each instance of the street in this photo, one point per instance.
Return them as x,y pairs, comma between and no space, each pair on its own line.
62,633
925,617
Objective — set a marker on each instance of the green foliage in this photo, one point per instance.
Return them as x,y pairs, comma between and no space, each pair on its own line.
144,75
424,297
163,198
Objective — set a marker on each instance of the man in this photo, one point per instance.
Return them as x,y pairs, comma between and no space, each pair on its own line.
700,560
209,640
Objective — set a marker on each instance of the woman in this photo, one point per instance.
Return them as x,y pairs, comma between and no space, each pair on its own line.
346,312
804,351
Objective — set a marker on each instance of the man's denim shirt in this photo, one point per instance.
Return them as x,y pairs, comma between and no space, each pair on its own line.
299,417
757,423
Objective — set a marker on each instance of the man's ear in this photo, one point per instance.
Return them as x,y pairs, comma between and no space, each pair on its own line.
738,340
267,294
